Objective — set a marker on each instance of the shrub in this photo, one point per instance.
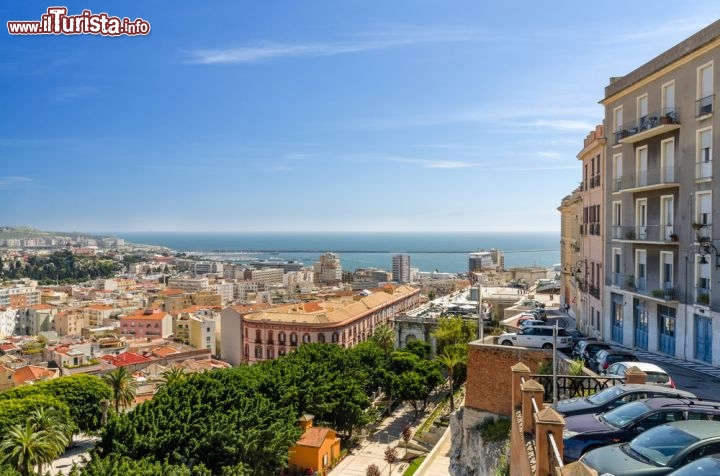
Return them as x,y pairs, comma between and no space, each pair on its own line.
494,429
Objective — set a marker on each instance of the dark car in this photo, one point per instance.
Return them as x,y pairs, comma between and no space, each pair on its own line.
578,335
606,357
615,396
658,451
707,466
586,432
587,348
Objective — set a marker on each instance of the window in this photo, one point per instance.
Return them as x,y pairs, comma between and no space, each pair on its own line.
616,269
321,337
335,336
617,220
702,280
642,111
668,98
667,161
703,167
640,270
293,338
641,166
705,90
617,119
281,338
617,172
306,338
666,270
703,213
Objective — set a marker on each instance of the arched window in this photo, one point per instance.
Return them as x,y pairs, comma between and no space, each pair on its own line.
281,338
281,352
293,339
306,338
321,337
258,335
258,352
270,337
270,354
247,350
335,337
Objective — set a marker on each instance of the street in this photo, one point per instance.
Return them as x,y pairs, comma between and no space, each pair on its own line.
702,385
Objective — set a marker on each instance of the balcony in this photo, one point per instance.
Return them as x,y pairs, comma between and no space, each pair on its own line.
654,124
703,169
646,234
656,179
704,106
666,293
703,232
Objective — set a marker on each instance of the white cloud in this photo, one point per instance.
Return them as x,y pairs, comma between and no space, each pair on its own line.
9,181
372,41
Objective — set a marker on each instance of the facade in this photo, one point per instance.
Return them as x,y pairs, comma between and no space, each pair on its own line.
267,275
70,322
661,245
202,333
589,269
250,337
19,295
151,323
35,319
401,268
97,314
570,286
191,284
8,319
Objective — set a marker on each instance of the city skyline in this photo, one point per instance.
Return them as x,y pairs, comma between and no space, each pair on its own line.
314,117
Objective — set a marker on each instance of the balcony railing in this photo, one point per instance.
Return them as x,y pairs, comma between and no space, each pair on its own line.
704,106
703,169
703,231
656,178
661,118
617,279
702,296
656,233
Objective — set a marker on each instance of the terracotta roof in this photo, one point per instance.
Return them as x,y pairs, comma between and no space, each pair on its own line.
44,307
32,373
313,436
8,347
164,351
141,314
99,307
171,292
126,358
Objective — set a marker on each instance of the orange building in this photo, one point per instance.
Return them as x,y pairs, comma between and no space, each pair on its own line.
316,449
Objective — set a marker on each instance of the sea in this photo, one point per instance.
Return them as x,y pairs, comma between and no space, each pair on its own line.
445,252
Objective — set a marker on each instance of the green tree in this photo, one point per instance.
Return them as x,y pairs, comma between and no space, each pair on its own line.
420,348
384,336
450,360
454,330
24,448
173,375
122,387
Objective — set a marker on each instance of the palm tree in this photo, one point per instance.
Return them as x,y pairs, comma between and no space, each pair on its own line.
172,376
122,386
384,336
24,448
450,360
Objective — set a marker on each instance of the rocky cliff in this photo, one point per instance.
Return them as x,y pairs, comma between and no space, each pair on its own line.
470,455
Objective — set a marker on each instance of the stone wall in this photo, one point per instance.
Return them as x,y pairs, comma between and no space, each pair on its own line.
469,454
489,380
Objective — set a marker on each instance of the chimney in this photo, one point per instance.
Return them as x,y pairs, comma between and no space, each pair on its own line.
306,421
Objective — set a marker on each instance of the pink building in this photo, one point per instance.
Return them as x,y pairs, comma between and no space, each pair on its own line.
147,323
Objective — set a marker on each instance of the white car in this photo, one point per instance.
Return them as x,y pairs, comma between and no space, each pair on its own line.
655,374
531,322
536,336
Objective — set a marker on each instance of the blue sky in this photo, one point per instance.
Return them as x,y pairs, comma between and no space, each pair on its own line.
315,115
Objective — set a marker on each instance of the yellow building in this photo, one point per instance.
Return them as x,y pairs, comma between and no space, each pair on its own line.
316,449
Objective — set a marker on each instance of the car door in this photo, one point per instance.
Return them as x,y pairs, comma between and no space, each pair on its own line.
658,418
523,337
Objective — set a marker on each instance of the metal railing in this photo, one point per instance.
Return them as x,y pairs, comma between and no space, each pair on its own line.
553,452
664,116
571,386
704,105
702,296
663,233
703,169
646,178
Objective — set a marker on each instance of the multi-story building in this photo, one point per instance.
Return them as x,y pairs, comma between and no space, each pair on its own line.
151,323
267,275
20,295
96,315
191,284
589,269
572,287
35,319
202,332
345,320
8,321
70,322
401,268
328,270
661,255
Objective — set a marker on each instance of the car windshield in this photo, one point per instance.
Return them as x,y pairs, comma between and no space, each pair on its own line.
657,377
601,398
659,444
624,414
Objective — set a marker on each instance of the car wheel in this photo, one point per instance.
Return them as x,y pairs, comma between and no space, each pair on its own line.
547,346
507,342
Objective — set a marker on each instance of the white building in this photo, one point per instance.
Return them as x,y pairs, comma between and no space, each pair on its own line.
327,269
401,268
8,319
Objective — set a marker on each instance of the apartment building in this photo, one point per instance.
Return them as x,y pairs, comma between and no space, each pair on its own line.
190,284
8,319
20,295
151,323
327,269
401,268
250,336
661,255
70,322
588,270
571,289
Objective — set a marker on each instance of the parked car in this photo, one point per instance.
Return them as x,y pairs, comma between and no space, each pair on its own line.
577,335
606,357
707,466
587,348
616,396
531,322
658,451
536,336
655,374
586,432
